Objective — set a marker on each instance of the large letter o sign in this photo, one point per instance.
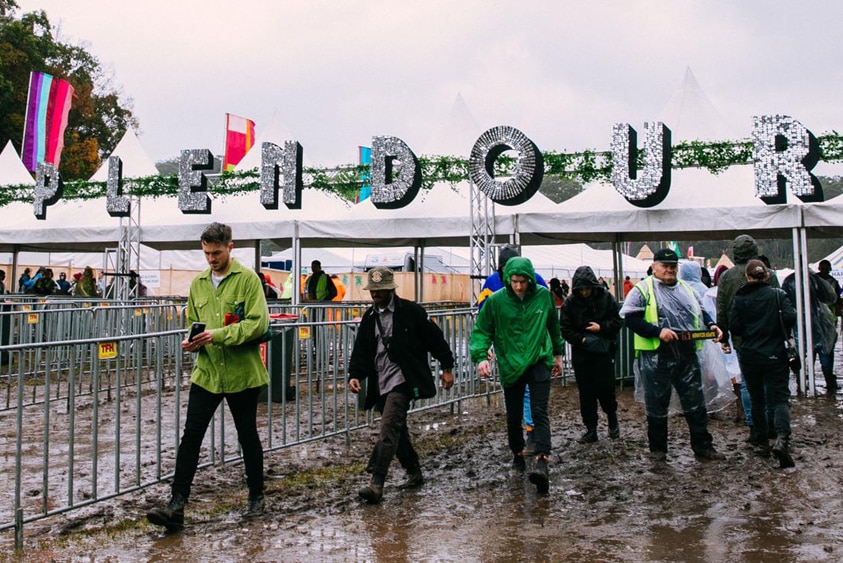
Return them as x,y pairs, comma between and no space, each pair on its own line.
529,166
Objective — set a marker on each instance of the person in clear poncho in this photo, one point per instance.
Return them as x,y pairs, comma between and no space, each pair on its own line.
716,376
659,310
823,323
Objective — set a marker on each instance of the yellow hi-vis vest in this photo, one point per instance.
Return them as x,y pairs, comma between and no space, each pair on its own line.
651,315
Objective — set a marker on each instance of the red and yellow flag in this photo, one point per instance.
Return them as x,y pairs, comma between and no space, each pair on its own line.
239,138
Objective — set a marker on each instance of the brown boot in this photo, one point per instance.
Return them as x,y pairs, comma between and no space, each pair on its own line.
415,479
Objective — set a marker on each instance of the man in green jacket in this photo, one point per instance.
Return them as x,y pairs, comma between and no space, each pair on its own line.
520,320
228,299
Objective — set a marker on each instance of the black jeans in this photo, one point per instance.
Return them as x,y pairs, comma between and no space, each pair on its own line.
674,365
768,386
201,405
538,378
595,375
394,438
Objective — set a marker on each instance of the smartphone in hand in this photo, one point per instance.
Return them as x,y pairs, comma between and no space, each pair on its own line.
195,329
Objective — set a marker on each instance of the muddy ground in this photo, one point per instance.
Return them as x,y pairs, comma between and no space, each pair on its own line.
607,502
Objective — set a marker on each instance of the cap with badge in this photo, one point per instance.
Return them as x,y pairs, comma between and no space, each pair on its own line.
666,256
380,278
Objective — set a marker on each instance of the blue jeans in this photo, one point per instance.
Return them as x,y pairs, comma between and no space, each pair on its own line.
201,405
528,413
746,402
538,378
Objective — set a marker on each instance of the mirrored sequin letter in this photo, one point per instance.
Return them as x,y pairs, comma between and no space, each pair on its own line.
48,188
116,203
396,174
654,184
193,183
527,170
281,168
784,153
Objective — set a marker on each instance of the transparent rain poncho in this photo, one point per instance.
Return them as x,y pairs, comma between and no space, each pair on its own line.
679,307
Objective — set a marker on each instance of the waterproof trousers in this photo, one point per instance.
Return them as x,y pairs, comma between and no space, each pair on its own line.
674,366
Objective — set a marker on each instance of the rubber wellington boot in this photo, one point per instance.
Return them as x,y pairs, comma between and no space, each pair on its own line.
830,383
614,427
519,465
781,449
589,437
538,476
255,507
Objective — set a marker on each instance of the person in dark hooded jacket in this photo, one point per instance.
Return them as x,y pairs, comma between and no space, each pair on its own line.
764,317
744,249
589,320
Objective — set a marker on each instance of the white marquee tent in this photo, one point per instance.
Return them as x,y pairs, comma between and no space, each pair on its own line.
12,170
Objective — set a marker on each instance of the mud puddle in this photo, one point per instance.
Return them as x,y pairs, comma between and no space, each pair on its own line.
607,502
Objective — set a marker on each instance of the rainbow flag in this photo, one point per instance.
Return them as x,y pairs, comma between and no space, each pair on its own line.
46,119
364,157
239,138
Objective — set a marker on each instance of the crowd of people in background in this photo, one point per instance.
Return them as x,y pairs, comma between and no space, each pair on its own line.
81,284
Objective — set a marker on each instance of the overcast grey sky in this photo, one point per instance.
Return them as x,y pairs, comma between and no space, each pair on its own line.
336,72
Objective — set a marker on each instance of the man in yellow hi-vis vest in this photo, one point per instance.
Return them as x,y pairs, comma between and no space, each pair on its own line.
669,324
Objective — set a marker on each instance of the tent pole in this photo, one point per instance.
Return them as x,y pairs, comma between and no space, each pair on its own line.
296,270
14,278
800,309
805,284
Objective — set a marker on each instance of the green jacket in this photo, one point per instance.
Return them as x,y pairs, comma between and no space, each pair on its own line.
523,332
232,362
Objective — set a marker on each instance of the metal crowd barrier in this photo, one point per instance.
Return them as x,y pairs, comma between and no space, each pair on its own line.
95,392
30,324
96,395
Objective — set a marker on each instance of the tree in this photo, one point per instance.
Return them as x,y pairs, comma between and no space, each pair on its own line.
7,7
98,115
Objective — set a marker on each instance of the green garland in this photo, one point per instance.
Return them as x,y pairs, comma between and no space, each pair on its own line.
584,167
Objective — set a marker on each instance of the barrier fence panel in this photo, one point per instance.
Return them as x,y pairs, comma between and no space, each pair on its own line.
96,394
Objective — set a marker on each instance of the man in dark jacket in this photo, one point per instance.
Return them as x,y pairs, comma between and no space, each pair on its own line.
744,249
590,322
390,352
